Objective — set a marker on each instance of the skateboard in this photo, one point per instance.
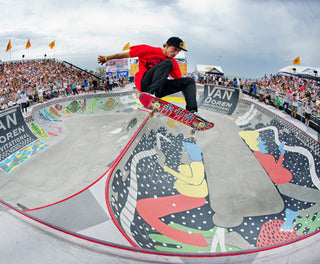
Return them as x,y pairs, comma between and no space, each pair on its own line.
170,110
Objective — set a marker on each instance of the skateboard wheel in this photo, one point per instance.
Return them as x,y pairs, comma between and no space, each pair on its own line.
201,125
193,131
156,105
151,114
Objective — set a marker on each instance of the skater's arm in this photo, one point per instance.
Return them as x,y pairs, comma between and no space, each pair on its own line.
104,59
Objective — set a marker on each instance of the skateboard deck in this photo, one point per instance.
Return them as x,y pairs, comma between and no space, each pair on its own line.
175,112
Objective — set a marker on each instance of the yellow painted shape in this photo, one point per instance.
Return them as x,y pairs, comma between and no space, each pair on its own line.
190,179
251,139
171,123
172,99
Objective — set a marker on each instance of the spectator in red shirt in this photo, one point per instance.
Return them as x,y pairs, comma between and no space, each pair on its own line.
155,66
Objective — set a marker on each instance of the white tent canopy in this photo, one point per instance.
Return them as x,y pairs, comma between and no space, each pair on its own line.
181,55
211,69
301,71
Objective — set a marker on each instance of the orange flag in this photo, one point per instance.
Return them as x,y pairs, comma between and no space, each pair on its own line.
52,44
296,61
126,47
9,46
28,44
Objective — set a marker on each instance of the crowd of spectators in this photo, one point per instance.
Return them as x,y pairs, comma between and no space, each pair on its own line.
40,80
216,80
108,82
289,93
28,82
35,81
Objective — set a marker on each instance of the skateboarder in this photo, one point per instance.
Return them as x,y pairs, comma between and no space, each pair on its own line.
156,64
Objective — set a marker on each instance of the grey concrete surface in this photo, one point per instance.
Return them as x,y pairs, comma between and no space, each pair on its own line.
240,189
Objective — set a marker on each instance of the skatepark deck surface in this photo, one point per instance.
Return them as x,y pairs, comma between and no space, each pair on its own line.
92,178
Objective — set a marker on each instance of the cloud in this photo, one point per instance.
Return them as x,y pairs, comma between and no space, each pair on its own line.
251,37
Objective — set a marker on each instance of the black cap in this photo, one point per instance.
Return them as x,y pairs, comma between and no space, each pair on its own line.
176,42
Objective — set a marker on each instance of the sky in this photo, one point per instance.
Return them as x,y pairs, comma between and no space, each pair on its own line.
247,38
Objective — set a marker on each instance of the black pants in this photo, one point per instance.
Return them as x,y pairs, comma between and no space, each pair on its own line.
285,106
155,81
24,107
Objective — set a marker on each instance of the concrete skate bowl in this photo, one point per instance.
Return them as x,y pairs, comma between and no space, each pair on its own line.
101,176
64,146
246,190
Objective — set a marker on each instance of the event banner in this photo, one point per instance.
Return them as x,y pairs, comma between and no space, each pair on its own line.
220,99
117,65
14,132
183,68
122,74
134,68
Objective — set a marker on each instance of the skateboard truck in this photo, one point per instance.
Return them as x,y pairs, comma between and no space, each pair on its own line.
155,108
196,126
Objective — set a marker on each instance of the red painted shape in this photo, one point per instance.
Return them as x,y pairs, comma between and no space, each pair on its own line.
271,235
152,209
277,173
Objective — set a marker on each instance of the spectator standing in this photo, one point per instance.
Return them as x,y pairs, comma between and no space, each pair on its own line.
65,87
110,83
86,86
295,104
24,102
74,88
254,90
40,93
286,101
307,112
95,85
267,98
9,103
277,102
